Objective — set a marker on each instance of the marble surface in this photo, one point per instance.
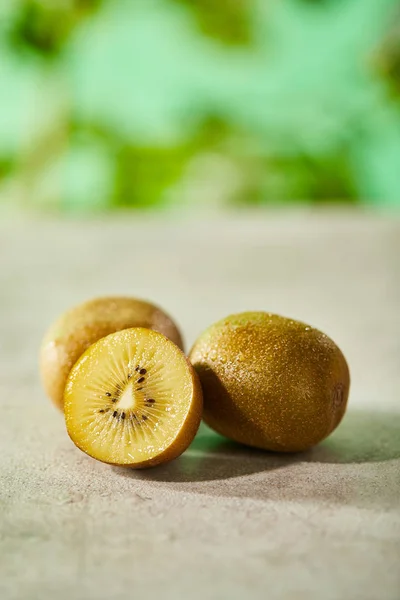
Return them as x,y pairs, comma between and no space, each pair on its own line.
222,521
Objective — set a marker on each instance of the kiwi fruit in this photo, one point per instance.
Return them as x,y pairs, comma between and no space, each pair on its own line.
133,399
271,382
78,328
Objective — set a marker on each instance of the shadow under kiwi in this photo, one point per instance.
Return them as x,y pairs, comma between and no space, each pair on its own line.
362,437
345,469
212,457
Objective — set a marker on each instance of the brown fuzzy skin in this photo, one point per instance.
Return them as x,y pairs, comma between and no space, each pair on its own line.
182,441
271,382
80,327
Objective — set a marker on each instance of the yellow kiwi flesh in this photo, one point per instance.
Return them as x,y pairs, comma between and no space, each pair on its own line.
271,382
133,399
78,328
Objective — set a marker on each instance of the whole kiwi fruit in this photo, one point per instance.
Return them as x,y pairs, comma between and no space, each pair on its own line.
80,327
271,382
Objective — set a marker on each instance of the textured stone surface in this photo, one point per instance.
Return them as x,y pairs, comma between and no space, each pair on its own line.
222,521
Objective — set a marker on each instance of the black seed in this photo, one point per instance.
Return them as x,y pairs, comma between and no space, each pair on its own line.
144,418
150,401
115,413
123,416
137,368
129,376
143,371
108,394
114,400
101,410
140,380
139,389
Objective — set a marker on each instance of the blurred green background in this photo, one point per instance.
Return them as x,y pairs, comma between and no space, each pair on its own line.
110,104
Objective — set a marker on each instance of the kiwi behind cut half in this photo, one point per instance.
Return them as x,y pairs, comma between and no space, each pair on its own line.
133,399
75,330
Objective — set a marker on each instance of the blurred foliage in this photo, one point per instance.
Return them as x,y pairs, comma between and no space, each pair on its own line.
144,173
6,166
326,178
388,56
317,2
228,21
329,177
220,158
43,27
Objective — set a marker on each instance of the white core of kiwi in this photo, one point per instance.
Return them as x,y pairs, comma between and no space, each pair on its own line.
128,398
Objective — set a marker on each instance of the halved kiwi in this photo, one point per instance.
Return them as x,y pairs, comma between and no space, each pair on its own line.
133,399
